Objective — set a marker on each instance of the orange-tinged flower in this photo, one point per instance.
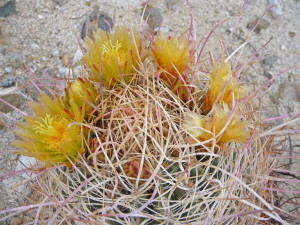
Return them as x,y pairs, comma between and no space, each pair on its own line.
50,136
172,55
117,46
221,74
204,128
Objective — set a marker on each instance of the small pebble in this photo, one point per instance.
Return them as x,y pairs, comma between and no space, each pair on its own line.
275,11
8,9
8,69
292,34
270,60
77,56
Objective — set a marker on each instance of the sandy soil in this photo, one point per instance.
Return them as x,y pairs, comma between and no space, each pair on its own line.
43,36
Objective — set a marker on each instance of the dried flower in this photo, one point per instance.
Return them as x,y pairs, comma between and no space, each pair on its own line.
221,74
49,136
117,46
215,127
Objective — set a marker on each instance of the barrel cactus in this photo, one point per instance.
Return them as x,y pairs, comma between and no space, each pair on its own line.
144,136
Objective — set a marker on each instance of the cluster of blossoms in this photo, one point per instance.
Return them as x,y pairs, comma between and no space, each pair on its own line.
57,134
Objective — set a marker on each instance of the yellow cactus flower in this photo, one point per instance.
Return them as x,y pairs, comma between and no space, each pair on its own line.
205,128
49,136
172,55
75,94
117,46
221,74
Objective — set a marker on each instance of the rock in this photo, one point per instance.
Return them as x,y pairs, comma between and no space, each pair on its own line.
7,83
171,4
96,19
11,96
16,221
289,91
77,56
8,9
275,11
292,34
154,17
66,59
8,69
16,59
251,2
270,60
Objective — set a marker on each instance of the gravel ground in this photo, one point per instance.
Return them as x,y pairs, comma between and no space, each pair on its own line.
42,35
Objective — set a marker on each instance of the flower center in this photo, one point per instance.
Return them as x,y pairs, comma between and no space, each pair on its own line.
52,130
113,50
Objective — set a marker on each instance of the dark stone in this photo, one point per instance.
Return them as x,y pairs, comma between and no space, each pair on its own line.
154,16
96,19
8,9
270,60
7,83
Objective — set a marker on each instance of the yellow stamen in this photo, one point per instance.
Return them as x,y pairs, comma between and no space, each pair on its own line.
110,49
46,127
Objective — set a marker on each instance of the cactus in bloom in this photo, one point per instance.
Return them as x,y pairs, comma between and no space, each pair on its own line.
76,95
150,164
221,74
50,135
173,60
120,53
216,127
